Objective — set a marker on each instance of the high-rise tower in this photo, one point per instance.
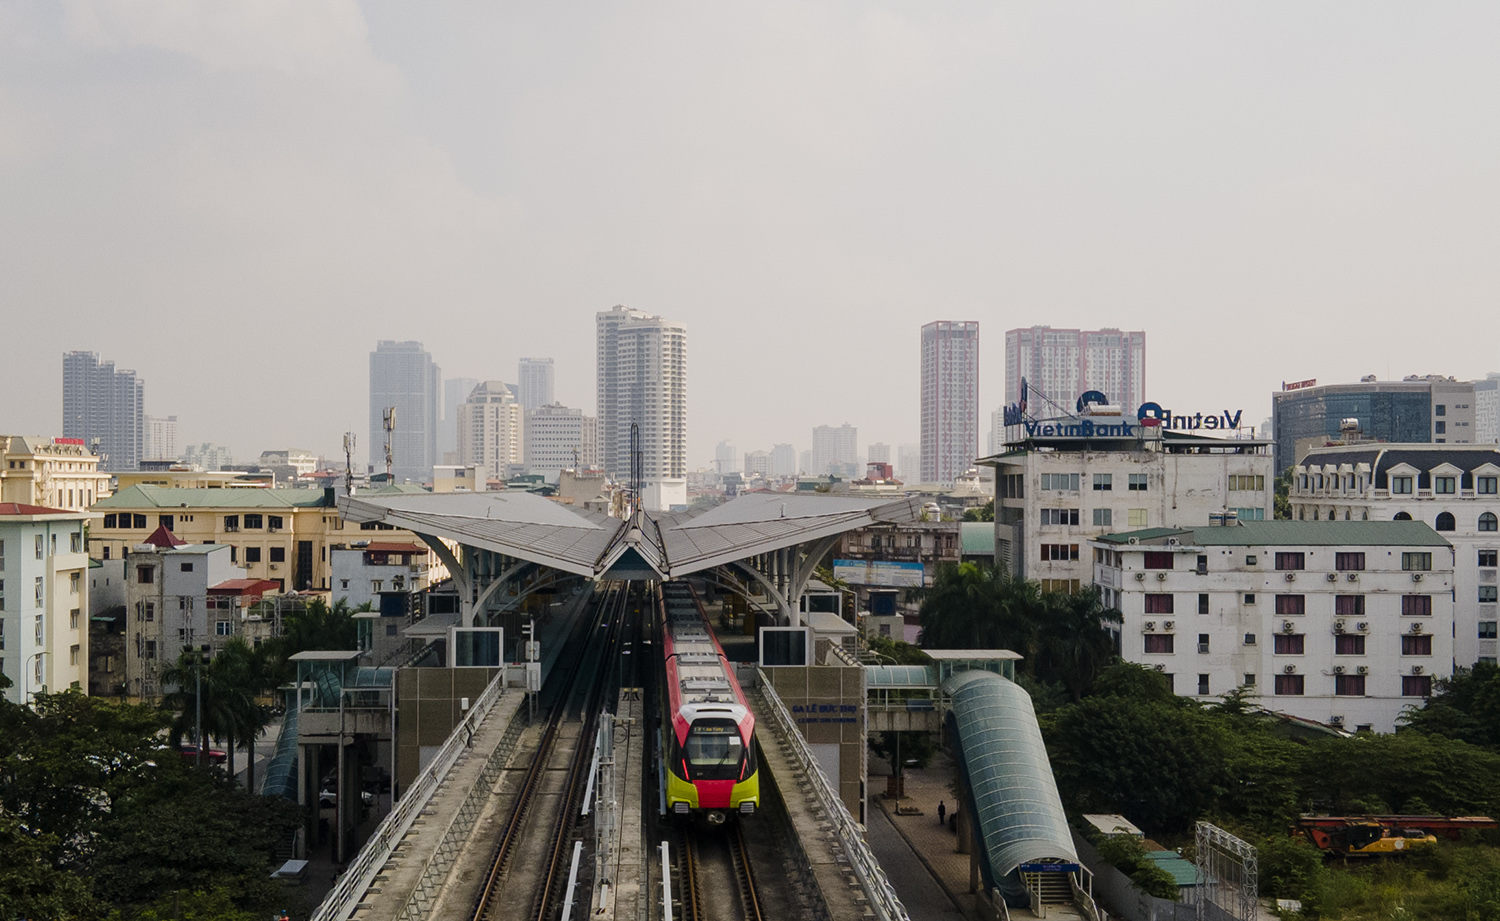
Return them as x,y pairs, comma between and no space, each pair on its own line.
534,383
950,399
404,376
100,402
642,379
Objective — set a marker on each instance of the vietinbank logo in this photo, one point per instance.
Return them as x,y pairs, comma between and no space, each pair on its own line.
1152,415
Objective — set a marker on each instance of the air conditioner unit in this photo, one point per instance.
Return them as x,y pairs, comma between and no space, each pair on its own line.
1160,668
1363,670
1133,540
1168,625
1140,577
1336,720
1291,577
1289,670
1333,577
1416,577
1338,626
1363,626
1416,628
1338,669
1352,577
1416,669
1150,626
1288,627
1161,577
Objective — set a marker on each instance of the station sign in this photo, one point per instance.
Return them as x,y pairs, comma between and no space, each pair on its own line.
887,573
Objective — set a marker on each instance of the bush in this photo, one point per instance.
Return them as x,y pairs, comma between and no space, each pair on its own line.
1127,854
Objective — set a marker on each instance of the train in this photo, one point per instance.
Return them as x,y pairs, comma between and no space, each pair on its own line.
706,749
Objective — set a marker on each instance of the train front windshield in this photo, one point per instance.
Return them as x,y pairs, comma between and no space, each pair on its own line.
714,751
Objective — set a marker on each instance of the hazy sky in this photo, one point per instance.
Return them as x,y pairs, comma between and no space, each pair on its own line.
238,199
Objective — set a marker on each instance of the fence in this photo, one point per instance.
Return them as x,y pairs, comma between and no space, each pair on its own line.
862,863
340,903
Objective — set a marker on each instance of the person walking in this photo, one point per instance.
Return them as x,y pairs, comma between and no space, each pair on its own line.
942,811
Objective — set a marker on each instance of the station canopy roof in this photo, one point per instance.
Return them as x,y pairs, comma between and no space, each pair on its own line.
665,545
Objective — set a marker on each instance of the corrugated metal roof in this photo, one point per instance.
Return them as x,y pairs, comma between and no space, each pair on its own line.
977,538
1293,533
133,497
1183,873
891,677
1019,811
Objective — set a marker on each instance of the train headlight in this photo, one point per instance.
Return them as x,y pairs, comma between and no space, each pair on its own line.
747,807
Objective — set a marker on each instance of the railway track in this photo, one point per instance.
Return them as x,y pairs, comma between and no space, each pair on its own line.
522,872
715,878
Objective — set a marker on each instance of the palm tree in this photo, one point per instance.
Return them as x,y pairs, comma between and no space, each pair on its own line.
1073,641
240,675
972,606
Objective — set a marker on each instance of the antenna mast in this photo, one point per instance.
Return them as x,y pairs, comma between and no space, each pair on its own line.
388,421
348,463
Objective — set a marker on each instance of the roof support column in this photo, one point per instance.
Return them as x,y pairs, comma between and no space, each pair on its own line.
462,578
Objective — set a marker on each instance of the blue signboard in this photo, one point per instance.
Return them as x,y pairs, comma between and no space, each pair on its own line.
1048,868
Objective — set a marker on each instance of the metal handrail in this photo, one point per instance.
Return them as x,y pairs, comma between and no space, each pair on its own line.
341,901
872,879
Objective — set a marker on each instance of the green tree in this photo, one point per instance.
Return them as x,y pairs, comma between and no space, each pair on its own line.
975,606
1282,500
1137,682
985,512
1127,854
1465,707
31,886
1073,643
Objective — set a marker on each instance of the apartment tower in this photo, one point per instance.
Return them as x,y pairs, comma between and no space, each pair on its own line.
1063,363
104,404
642,379
534,383
950,399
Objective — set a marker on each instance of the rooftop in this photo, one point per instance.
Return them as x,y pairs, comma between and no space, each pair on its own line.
133,497
17,508
1289,533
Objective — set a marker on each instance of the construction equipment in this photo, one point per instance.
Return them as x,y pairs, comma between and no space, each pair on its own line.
1376,835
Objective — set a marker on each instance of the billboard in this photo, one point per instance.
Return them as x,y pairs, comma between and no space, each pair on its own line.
879,572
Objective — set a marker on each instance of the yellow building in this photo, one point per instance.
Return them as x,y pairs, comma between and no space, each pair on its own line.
57,473
194,479
284,535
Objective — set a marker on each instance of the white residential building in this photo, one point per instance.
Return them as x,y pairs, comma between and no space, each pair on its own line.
758,463
835,449
1063,363
161,438
908,462
878,453
44,599
1053,494
950,399
1487,410
383,574
726,458
1453,488
783,460
1345,623
642,381
555,437
491,430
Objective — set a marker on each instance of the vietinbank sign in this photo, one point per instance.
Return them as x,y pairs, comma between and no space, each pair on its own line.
1152,414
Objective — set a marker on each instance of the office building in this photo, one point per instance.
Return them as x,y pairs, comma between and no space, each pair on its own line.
161,439
1054,493
103,405
758,463
908,463
878,453
590,457
403,377
783,460
642,381
1061,364
950,399
1432,409
56,473
1342,622
726,458
835,450
206,456
43,600
1455,489
455,391
491,430
555,436
534,383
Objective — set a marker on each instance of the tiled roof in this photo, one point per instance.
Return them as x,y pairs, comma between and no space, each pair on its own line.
17,508
161,537
243,587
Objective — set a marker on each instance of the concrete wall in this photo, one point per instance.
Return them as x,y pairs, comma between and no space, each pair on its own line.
427,709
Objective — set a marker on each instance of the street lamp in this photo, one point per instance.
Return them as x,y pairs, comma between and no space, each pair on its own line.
27,676
200,658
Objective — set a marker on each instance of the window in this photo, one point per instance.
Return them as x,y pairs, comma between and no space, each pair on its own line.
1155,559
1349,605
1202,603
150,652
1251,560
1250,514
1290,644
1105,482
1062,586
139,522
1202,563
1202,685
1416,685
1059,516
1249,597
1060,481
1400,485
252,554
1159,643
1486,485
1138,482
1103,517
231,522
1444,485
1487,629
1159,604
41,592
1416,645
1255,483
1291,605
73,655
1349,644
148,611
1203,642
75,542
1349,562
1416,605
145,575
1444,522
254,521
109,521
278,554
1139,518
1440,410
166,521
73,619
1488,522
187,567
41,635
1289,685
1416,562
1249,639
74,580
1349,685
1285,561
39,546
1488,557
224,628
1487,594
1250,679
377,585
